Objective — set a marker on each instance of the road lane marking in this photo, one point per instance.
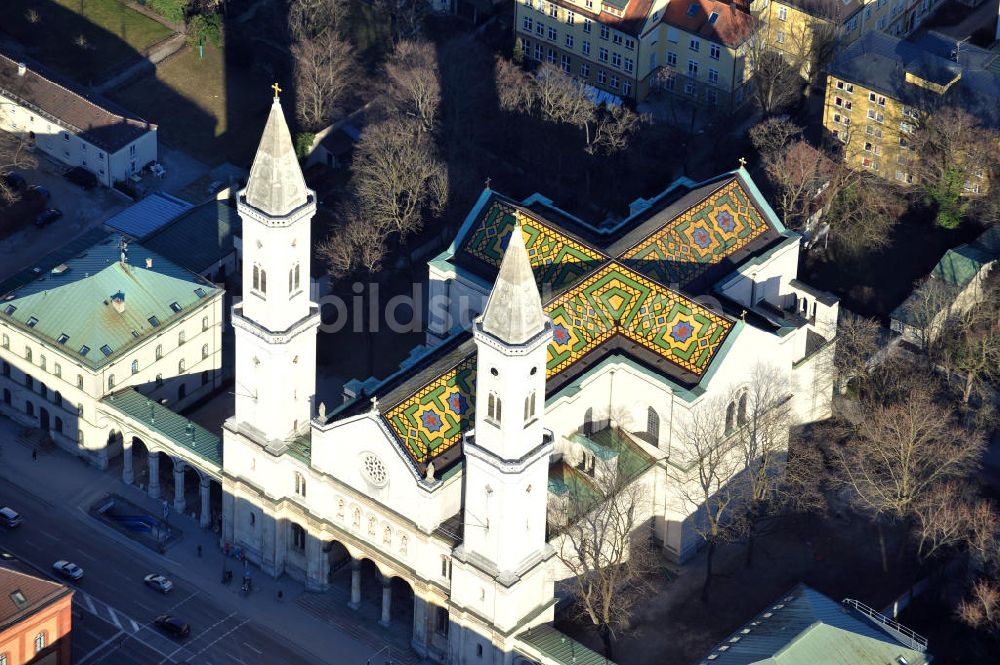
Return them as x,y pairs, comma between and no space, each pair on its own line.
114,618
135,626
237,659
99,647
89,603
174,607
47,534
87,556
252,648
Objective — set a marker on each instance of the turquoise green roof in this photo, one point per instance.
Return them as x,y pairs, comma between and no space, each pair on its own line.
559,648
180,431
72,304
960,265
199,239
805,627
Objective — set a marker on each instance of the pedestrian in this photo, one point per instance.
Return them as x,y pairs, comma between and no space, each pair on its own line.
34,455
199,551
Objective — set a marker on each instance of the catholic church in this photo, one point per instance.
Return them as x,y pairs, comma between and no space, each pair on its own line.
554,344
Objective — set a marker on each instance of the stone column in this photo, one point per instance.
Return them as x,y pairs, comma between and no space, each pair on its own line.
419,642
153,464
127,474
228,518
205,520
179,504
355,584
386,600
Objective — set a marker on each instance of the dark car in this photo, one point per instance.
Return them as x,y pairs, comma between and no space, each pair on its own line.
172,625
47,217
81,177
39,192
14,180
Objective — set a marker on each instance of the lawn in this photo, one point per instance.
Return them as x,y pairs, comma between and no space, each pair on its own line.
209,109
87,40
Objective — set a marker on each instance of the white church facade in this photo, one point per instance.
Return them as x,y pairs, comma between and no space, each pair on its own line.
550,342
441,475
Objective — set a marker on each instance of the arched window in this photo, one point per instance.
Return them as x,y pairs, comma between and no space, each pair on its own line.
253,518
204,323
57,398
529,407
159,351
291,278
57,370
181,338
653,425
6,341
6,368
204,351
256,278
79,381
159,380
111,381
181,366
300,484
41,361
263,281
39,642
29,382
27,353
494,408
730,417
29,408
135,366
296,276
59,425
741,411
588,422
298,537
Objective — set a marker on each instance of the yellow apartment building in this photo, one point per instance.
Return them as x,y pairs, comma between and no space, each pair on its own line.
879,88
692,49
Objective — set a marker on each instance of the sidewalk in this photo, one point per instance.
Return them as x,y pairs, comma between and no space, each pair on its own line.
66,482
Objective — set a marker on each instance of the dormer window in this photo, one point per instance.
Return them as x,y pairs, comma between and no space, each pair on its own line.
9,310
84,350
200,292
693,9
175,307
153,321
32,322
713,17
63,338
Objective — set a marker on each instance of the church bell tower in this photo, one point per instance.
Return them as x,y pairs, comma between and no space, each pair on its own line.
275,323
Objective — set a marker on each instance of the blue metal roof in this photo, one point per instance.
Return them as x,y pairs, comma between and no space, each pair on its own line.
143,218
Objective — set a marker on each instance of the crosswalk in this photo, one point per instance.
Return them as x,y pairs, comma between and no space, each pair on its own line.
127,628
104,611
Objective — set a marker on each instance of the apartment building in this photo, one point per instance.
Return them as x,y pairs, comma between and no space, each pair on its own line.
878,88
693,49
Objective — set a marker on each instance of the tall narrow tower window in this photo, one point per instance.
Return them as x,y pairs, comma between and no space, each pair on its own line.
259,279
494,408
529,408
293,279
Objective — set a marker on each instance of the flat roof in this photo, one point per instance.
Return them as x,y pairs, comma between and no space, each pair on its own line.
148,215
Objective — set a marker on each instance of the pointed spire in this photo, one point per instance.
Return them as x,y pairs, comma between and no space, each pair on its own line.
514,311
276,186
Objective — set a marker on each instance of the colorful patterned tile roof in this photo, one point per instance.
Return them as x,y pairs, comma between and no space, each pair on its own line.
614,300
702,236
558,260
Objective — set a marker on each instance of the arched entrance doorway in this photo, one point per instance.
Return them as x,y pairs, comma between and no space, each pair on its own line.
29,408
43,419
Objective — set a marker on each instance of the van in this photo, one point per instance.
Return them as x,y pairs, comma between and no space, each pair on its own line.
9,517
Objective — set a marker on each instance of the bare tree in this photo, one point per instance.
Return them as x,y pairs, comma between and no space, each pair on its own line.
561,99
762,416
406,16
942,520
928,309
900,454
705,463
776,82
771,137
613,129
955,155
355,245
969,344
981,609
14,154
514,87
857,345
602,544
414,82
397,177
308,19
324,72
862,210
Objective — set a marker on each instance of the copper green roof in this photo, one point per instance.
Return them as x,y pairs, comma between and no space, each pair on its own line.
559,648
174,427
73,304
960,265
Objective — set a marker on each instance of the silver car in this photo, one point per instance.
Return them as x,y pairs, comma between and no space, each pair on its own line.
10,518
68,570
158,582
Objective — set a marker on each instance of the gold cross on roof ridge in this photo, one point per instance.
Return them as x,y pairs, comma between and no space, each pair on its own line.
277,90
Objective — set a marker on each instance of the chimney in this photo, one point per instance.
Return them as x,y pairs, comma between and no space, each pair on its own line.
22,69
118,300
149,262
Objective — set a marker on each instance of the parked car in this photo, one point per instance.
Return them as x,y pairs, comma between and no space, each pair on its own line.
39,192
46,217
172,625
14,180
10,518
158,582
81,177
70,571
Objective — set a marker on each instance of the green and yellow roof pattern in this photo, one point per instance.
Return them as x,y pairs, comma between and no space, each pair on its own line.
703,235
614,300
557,259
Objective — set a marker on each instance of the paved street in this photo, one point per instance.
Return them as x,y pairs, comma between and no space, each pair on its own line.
113,609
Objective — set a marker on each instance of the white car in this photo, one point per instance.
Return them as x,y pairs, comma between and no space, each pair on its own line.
158,582
68,570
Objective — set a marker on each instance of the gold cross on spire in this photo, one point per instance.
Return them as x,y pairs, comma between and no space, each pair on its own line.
743,162
277,90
